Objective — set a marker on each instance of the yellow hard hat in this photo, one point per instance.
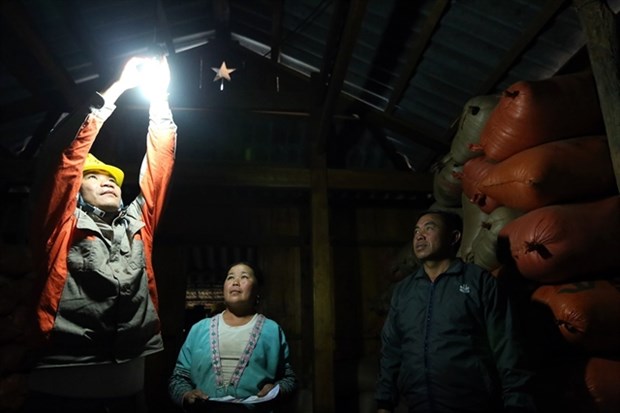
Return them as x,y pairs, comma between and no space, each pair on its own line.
94,164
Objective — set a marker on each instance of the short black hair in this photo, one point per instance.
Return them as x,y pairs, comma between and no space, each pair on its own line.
452,220
258,274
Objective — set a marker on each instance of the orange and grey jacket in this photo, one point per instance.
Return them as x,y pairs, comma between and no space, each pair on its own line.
97,298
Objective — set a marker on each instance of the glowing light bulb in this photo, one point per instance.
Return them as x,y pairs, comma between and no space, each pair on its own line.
151,78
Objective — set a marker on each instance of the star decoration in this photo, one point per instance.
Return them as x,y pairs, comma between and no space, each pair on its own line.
222,72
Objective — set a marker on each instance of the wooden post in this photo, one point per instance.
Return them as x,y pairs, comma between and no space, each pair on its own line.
599,25
323,296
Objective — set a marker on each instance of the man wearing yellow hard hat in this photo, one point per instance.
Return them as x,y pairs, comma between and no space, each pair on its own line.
100,192
97,301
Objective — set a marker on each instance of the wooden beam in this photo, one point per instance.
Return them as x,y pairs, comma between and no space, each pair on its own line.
333,44
354,20
509,58
14,18
404,128
221,11
276,29
415,54
252,101
190,174
385,181
240,175
22,108
163,28
85,37
332,74
601,29
324,397
536,26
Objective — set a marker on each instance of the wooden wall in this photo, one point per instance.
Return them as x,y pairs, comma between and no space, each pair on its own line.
366,242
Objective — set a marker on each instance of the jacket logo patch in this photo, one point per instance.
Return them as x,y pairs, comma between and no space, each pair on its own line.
464,288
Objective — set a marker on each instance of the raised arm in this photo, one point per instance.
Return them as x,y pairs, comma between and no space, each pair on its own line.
158,163
59,166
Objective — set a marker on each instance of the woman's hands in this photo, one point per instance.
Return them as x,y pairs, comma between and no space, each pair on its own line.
266,389
193,396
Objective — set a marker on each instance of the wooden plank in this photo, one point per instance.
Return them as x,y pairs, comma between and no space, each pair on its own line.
323,296
334,68
186,174
414,132
276,30
344,53
240,175
601,29
15,20
533,30
536,26
379,181
416,52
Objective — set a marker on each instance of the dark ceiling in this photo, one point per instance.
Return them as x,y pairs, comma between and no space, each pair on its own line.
376,85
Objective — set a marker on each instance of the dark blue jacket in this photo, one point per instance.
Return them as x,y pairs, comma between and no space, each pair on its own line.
451,346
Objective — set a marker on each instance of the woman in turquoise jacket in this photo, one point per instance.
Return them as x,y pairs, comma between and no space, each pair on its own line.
236,359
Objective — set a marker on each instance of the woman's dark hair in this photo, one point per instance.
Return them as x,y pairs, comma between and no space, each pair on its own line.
258,274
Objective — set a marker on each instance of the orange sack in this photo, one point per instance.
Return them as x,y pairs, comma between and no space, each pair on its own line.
587,313
560,243
552,173
474,172
602,377
530,113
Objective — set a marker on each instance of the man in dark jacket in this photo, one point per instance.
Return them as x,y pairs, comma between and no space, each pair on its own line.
449,342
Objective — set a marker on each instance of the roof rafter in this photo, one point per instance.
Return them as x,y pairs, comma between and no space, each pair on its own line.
534,29
537,25
336,61
276,29
15,20
163,28
416,52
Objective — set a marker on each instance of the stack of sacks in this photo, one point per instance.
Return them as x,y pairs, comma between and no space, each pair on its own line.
587,314
484,245
473,217
447,187
532,113
481,223
546,157
567,170
559,243
474,117
474,172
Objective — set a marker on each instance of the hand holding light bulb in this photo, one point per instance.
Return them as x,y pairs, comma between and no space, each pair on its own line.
151,74
154,78
130,76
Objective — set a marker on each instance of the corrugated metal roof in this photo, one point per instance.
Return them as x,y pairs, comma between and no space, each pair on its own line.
471,42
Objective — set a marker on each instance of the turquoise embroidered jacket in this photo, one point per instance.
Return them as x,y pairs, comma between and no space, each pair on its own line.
266,361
